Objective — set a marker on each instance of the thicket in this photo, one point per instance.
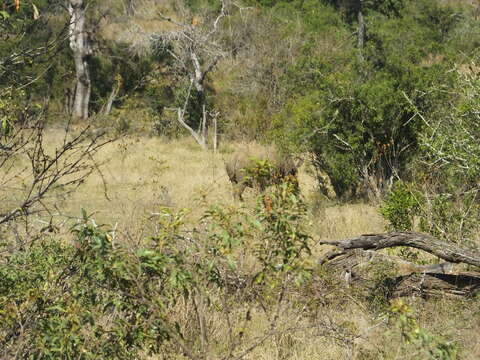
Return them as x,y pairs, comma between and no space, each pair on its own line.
237,281
441,196
197,291
383,94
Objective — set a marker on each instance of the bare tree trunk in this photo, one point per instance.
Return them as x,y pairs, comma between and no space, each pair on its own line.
81,48
197,136
409,279
361,32
204,122
435,284
199,75
68,102
215,136
111,98
197,79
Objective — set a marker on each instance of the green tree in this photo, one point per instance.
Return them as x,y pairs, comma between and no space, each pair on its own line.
358,116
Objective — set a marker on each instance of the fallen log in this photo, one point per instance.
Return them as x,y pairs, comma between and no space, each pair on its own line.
361,269
446,251
358,258
434,284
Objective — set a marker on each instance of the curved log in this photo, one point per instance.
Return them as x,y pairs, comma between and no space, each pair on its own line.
447,251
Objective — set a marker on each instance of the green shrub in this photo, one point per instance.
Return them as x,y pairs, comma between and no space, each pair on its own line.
400,206
283,238
100,297
428,345
451,218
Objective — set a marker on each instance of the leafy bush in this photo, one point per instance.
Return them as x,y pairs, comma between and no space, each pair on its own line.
100,297
400,206
261,171
358,116
451,218
429,345
283,239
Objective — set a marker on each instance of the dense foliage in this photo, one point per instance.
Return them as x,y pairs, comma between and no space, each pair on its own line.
299,71
383,95
100,297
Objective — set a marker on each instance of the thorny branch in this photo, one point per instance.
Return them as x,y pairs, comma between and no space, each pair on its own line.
43,171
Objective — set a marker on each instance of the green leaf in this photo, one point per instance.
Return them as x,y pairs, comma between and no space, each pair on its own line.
5,125
259,277
84,215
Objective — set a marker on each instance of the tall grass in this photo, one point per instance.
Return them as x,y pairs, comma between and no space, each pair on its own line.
137,176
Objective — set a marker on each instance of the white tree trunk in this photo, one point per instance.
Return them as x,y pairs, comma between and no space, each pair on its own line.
199,75
361,34
201,140
81,48
215,138
111,98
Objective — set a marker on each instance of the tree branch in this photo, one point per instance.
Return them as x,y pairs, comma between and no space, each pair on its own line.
447,251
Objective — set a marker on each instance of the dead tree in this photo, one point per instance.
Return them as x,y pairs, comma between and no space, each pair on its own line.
82,50
113,94
414,279
449,252
361,31
432,284
195,49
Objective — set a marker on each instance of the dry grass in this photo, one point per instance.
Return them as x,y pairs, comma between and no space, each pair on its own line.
139,175
144,174
343,221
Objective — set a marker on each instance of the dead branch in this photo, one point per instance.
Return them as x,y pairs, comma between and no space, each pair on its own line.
354,266
446,251
433,284
46,171
199,136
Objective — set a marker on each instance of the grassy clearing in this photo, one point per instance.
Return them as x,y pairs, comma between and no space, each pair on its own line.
140,175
